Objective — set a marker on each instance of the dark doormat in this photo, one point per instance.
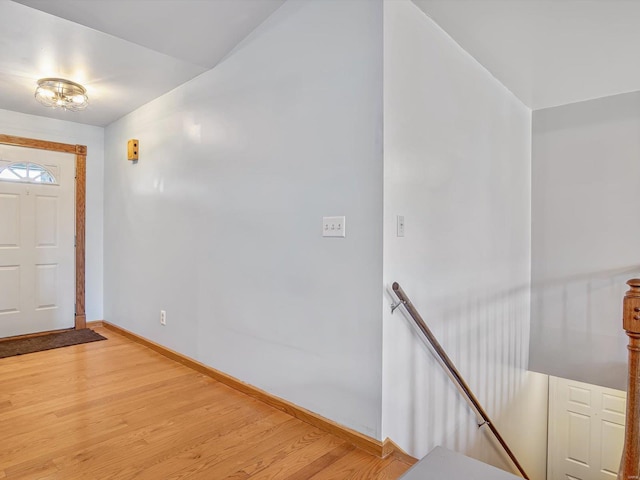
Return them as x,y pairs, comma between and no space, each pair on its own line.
20,346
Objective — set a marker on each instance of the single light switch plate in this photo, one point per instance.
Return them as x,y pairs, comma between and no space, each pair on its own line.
400,231
333,227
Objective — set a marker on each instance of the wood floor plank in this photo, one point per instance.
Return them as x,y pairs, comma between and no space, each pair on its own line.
356,465
274,455
200,448
150,425
116,459
394,470
321,463
300,459
116,410
225,462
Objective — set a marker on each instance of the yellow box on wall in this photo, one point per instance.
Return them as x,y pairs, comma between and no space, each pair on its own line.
132,149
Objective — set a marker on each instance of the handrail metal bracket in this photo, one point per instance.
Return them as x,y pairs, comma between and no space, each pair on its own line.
394,306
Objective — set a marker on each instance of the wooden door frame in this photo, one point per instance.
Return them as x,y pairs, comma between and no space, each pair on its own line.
80,152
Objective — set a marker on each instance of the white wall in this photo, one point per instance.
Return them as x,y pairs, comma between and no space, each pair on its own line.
219,223
31,126
585,225
457,150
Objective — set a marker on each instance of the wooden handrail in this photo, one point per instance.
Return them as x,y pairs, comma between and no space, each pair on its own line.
453,371
630,464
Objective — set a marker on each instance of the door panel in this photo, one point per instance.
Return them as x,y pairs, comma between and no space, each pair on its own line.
9,289
586,430
46,286
612,436
46,221
10,220
579,429
37,251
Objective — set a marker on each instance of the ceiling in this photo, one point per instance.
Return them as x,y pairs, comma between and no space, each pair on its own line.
548,52
125,53
128,52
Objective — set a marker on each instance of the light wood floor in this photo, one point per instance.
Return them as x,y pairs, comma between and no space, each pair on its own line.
117,410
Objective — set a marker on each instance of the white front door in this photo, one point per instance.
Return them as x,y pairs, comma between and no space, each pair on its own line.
37,240
586,430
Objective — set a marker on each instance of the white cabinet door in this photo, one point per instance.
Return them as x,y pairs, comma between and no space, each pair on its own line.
37,237
586,430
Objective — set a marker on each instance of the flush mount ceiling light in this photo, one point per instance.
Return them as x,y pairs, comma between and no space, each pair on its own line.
61,93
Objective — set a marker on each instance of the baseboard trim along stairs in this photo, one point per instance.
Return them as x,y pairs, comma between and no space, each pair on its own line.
366,443
441,464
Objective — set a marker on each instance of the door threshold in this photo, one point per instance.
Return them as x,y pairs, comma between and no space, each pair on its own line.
31,335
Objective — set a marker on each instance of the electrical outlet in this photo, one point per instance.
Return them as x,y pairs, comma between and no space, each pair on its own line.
163,317
333,227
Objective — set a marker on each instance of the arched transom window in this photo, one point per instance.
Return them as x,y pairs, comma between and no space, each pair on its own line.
27,172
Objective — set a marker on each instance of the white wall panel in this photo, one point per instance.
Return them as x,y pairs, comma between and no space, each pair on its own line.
585,171
219,222
457,150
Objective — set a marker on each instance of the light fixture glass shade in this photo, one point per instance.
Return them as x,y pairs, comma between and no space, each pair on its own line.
65,94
